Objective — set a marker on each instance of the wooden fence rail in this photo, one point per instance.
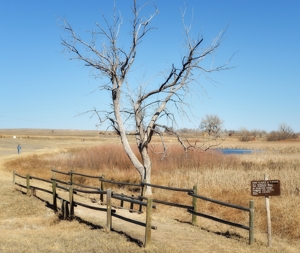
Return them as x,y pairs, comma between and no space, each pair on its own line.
67,205
167,187
142,197
191,209
250,228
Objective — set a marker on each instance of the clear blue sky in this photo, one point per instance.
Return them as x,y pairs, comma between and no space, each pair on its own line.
42,88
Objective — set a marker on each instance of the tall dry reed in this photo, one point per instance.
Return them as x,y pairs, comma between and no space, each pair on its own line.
223,177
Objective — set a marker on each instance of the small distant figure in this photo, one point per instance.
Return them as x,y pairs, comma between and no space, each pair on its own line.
19,148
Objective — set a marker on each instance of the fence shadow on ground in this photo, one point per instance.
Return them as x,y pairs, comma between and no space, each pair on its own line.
68,189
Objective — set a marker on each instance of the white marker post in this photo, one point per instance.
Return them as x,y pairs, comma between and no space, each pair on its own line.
269,227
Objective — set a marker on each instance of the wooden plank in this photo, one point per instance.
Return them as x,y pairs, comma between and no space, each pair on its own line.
109,213
64,210
120,183
54,196
129,220
102,189
132,221
84,175
251,222
91,207
268,211
194,203
128,199
168,188
220,202
21,185
61,172
59,181
168,203
218,220
71,212
20,175
41,189
148,223
63,188
41,179
86,191
28,184
90,187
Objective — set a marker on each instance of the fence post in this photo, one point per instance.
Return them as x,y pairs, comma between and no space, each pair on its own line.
143,190
194,217
268,213
28,184
71,177
148,223
122,201
108,203
14,177
54,195
33,192
251,222
53,173
71,202
65,210
101,188
131,203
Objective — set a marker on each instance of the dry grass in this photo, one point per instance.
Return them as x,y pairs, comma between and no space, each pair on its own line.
31,227
223,177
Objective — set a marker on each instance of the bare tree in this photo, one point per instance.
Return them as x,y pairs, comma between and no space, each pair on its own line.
245,135
284,132
283,127
147,108
211,124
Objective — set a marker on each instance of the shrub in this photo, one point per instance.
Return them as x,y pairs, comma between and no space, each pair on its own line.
285,132
279,136
245,135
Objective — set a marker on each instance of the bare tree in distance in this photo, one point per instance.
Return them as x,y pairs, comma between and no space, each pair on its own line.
245,135
284,132
147,109
212,125
283,127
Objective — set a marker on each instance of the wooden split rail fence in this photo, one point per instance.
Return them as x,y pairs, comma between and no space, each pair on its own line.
68,204
250,210
139,200
193,209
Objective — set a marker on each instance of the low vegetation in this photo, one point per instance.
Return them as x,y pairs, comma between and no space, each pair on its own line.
223,177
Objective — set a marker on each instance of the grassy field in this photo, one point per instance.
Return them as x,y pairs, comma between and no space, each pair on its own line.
222,177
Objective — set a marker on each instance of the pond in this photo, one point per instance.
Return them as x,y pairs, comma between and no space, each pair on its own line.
229,151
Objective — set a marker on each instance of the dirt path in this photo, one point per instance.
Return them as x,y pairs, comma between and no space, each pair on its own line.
174,235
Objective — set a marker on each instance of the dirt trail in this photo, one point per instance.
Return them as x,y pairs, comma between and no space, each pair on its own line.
180,237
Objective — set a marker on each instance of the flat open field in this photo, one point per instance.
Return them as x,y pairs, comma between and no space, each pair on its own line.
226,178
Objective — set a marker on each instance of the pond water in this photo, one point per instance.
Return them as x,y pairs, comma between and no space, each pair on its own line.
229,151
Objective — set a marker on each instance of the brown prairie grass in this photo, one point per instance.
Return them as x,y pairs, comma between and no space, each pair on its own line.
223,177
27,225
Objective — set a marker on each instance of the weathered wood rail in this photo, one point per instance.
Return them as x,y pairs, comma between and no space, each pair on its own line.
138,200
250,210
67,205
193,208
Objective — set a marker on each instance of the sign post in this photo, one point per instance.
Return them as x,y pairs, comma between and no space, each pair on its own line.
266,188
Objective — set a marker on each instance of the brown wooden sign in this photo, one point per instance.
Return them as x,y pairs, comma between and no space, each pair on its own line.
265,188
